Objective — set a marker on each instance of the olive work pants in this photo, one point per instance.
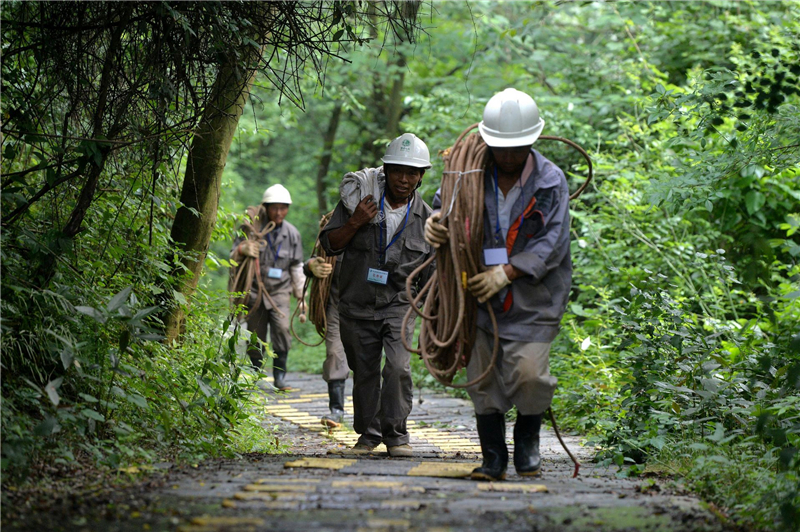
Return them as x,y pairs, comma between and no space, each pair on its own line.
335,367
521,376
380,409
264,321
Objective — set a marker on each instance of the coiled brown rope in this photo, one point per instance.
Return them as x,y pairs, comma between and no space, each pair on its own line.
449,314
241,277
319,293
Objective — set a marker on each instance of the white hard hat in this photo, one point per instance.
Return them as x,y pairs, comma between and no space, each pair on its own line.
277,194
510,118
408,150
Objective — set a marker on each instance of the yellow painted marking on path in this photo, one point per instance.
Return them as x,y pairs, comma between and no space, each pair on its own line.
280,488
402,504
228,503
321,463
443,469
283,480
380,484
515,487
290,409
258,496
210,524
388,523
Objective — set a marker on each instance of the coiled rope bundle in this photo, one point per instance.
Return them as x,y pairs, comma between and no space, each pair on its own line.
449,313
319,292
241,277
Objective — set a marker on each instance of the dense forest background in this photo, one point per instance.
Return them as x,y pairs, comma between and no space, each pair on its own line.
680,350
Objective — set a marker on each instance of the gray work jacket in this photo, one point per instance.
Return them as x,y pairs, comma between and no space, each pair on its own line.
360,299
541,250
284,250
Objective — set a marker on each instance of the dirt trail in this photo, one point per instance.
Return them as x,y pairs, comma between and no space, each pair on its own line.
315,488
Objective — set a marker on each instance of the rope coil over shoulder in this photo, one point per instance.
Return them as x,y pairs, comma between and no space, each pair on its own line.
319,294
448,309
249,269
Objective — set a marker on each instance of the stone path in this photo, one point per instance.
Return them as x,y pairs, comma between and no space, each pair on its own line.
315,488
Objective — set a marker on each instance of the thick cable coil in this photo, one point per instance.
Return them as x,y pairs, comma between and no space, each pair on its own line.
319,293
241,277
449,312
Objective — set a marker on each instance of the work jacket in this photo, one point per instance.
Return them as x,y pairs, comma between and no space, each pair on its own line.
361,299
284,250
530,309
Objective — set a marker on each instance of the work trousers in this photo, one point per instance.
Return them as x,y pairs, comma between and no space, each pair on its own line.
521,376
380,409
264,322
335,367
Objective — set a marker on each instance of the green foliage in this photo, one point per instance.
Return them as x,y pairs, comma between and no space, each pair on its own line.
680,343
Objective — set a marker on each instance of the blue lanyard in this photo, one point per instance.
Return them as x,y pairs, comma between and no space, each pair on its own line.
275,251
498,230
382,249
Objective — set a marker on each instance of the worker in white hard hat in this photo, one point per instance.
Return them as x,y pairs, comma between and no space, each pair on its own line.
526,279
280,270
380,240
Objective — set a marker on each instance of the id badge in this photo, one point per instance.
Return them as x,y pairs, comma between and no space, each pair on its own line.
274,273
494,256
377,276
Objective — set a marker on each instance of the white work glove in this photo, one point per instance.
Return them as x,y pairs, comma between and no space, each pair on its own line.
319,267
488,283
435,233
249,248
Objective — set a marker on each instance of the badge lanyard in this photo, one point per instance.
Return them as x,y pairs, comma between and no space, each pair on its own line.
275,251
382,257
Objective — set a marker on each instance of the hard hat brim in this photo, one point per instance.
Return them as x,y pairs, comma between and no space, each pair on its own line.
498,139
405,161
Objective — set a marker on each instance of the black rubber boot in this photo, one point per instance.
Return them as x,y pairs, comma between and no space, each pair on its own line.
526,445
279,371
336,404
492,432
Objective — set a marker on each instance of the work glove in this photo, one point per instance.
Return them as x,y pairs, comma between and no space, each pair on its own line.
488,283
319,267
435,233
249,248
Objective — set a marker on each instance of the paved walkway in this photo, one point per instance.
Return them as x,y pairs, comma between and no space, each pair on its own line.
315,488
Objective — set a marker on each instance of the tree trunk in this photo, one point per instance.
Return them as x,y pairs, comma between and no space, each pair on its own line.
395,106
195,219
325,160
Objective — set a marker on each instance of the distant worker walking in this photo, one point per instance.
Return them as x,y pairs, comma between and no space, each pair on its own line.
279,273
527,277
377,228
335,369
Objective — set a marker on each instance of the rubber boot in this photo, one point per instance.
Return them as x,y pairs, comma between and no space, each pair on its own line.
526,445
492,433
279,371
336,404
